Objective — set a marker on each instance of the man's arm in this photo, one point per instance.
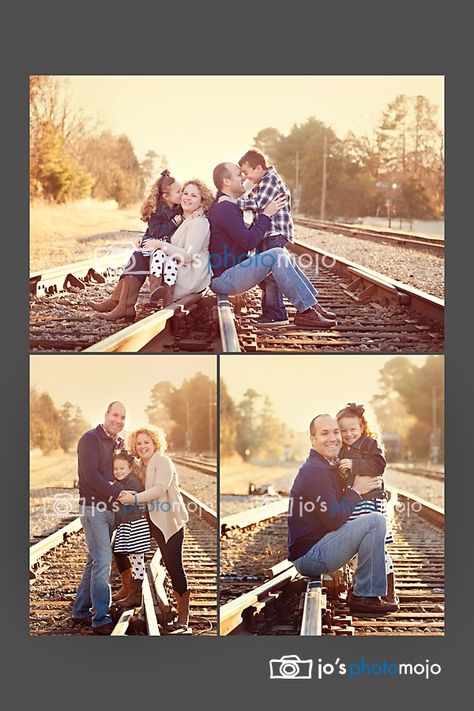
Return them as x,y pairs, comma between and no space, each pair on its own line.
331,509
229,217
88,457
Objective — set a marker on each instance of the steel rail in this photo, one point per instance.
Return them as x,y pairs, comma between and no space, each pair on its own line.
56,279
229,337
370,283
249,517
413,240
315,602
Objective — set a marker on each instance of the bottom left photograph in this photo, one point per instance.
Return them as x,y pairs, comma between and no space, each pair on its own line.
123,495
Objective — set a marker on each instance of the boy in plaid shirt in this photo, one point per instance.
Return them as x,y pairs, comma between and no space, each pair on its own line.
267,184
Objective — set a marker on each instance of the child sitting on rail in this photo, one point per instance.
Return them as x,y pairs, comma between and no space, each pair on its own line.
132,536
162,211
361,455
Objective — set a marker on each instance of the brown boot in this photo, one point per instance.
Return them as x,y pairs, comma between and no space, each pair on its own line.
391,595
155,288
168,292
128,298
182,602
111,302
121,594
134,597
311,319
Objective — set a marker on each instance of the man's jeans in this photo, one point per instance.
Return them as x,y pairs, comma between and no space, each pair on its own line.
272,297
364,536
278,262
94,588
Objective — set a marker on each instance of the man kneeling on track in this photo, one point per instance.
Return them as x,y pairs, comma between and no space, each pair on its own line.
321,538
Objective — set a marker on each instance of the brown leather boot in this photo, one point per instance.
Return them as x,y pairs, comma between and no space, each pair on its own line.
391,595
111,302
134,597
121,594
182,603
168,292
155,288
312,319
128,298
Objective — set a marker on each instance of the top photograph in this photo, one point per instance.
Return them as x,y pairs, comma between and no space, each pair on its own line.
236,214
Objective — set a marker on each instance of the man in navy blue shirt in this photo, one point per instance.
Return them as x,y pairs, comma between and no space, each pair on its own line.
231,241
321,538
98,492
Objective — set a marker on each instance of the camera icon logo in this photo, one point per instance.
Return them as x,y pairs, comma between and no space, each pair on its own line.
291,667
60,505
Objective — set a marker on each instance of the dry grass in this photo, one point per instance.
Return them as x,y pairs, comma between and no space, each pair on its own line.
236,475
59,233
57,469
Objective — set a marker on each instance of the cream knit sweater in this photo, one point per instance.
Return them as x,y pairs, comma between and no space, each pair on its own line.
191,241
162,495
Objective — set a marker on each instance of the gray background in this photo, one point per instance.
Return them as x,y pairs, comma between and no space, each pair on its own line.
59,38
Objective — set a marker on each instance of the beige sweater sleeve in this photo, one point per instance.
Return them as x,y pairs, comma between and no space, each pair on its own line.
196,239
160,478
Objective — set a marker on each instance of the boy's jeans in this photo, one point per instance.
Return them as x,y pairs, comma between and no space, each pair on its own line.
278,262
272,297
94,588
364,536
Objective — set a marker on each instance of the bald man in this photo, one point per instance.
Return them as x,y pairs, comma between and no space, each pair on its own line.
321,538
98,490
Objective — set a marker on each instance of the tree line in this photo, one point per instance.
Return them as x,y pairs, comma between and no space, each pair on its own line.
411,404
187,414
52,428
399,168
251,429
72,157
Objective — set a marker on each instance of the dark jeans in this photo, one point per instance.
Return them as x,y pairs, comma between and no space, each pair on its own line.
272,297
172,554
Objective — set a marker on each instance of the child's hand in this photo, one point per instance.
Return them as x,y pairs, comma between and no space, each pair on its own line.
177,219
199,212
225,198
152,244
345,465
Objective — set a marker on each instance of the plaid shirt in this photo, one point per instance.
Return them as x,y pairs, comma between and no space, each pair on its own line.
261,194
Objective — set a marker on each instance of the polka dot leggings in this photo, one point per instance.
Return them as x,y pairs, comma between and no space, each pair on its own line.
137,561
161,265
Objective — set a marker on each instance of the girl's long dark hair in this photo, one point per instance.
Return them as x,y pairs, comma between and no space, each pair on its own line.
164,182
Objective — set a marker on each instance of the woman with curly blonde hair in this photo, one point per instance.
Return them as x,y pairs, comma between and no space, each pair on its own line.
167,512
188,269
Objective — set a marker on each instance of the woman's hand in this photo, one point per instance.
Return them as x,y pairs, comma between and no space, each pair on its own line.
127,497
138,241
152,244
198,212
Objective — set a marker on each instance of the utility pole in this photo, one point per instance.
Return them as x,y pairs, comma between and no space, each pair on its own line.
297,183
434,442
324,180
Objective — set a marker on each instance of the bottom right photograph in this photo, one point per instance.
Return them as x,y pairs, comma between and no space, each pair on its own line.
332,495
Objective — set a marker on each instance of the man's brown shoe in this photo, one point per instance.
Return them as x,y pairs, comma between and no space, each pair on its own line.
311,319
325,312
373,606
104,629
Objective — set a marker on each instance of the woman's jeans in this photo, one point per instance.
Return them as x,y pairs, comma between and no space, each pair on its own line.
364,536
94,588
277,262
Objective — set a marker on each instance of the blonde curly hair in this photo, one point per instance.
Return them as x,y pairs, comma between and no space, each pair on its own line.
158,437
207,196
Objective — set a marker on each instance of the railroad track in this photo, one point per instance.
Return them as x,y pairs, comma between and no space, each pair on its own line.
57,562
375,313
405,239
200,465
285,603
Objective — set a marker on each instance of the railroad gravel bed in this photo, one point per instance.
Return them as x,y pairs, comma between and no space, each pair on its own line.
423,270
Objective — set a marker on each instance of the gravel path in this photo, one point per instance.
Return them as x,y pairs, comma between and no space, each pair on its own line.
410,266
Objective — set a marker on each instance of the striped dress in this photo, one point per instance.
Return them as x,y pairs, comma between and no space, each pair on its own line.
132,534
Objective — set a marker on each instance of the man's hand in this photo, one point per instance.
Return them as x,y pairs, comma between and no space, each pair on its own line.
363,484
127,497
226,198
275,205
